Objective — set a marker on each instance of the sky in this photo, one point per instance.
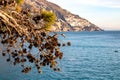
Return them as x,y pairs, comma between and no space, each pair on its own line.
103,13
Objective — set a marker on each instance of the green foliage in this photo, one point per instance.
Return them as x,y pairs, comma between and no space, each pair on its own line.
11,4
18,8
49,18
19,1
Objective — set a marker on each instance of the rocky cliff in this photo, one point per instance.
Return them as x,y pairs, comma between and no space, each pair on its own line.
66,21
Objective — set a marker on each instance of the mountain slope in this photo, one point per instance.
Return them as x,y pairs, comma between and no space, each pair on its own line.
66,21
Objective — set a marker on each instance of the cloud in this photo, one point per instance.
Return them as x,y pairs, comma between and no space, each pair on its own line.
111,3
102,3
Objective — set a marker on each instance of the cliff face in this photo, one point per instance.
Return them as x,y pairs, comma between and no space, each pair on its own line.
66,21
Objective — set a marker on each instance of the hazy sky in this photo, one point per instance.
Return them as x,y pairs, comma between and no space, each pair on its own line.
103,13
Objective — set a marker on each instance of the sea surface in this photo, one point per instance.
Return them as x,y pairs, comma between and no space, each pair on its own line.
92,56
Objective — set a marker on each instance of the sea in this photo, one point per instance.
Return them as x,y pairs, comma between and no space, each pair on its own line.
91,56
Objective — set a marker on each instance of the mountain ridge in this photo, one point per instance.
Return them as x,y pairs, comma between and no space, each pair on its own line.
66,21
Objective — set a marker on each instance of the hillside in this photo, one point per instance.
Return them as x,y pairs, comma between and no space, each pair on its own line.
66,21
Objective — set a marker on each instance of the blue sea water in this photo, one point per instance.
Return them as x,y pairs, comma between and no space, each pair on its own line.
92,56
